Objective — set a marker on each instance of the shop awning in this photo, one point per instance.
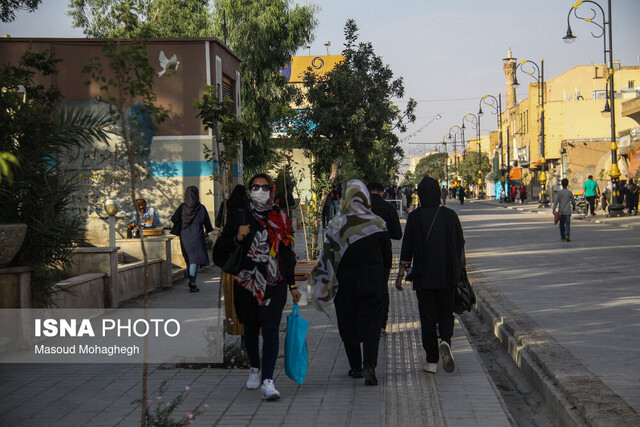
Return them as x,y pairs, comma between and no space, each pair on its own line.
515,173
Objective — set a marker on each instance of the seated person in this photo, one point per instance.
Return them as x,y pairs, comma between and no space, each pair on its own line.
149,217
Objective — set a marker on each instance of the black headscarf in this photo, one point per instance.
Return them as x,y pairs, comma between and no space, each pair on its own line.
429,192
191,205
238,199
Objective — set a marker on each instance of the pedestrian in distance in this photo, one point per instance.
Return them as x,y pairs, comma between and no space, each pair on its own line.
523,194
604,201
461,194
443,195
389,215
631,195
351,273
565,203
433,247
268,272
590,191
195,226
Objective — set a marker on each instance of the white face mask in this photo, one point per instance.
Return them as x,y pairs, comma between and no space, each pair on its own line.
260,196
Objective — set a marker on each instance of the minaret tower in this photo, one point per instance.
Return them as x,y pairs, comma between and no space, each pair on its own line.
510,66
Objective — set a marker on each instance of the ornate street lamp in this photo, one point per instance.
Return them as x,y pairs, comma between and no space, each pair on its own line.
537,73
496,105
456,129
606,32
446,160
474,121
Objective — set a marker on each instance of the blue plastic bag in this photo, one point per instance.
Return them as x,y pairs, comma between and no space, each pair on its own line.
296,356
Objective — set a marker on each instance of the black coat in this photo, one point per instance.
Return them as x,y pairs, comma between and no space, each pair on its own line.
389,214
361,298
192,241
438,262
246,305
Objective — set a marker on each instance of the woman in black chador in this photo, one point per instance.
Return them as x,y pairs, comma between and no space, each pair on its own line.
433,241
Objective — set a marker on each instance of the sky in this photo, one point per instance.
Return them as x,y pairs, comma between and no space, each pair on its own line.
448,52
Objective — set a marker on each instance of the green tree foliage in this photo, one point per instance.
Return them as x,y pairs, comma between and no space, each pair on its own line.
351,113
146,18
469,169
8,8
37,134
432,165
265,34
229,131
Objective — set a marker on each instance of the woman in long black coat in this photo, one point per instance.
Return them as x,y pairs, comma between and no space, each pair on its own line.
268,271
433,241
195,227
351,273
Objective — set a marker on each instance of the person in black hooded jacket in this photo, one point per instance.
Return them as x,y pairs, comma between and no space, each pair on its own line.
434,243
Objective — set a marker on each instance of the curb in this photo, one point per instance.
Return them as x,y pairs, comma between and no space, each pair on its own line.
596,219
573,394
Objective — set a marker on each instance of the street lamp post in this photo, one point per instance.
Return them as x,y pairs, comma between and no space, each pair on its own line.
456,129
539,78
496,104
446,159
475,123
606,32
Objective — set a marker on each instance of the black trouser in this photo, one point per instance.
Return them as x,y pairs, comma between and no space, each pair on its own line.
436,308
385,317
270,344
592,203
365,357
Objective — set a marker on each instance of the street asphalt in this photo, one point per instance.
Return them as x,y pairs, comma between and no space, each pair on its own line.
568,312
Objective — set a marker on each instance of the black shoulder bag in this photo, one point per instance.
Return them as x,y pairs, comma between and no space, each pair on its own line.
235,259
177,226
464,298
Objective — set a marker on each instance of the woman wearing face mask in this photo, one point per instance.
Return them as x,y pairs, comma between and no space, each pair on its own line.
260,290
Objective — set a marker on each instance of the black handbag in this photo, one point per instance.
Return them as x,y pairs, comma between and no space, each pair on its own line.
464,298
233,263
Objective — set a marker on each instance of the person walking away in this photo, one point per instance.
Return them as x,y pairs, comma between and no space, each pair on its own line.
604,200
194,229
326,212
335,203
351,273
565,204
590,191
523,194
631,194
461,194
443,195
237,201
389,215
433,245
268,270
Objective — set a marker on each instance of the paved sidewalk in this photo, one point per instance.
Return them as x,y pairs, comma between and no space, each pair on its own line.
101,394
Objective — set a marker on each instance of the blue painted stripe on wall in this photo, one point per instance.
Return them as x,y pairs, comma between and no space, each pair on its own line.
181,169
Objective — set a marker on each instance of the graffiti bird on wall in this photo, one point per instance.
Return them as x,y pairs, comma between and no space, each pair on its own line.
169,66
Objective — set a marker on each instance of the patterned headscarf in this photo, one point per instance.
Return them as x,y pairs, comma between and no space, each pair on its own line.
354,222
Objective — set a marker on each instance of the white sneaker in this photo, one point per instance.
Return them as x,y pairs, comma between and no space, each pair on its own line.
448,362
254,379
430,367
269,391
